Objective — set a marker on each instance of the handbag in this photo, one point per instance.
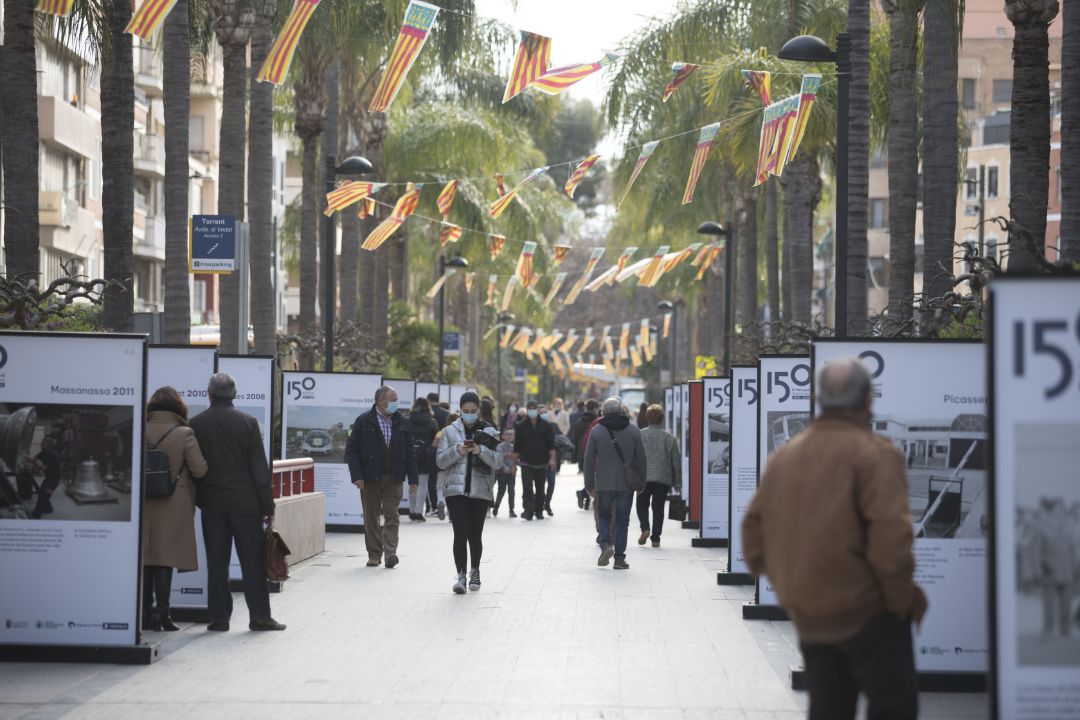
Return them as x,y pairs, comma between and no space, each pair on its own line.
676,508
157,475
274,552
631,473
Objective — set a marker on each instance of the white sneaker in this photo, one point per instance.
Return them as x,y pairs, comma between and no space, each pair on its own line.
474,580
459,586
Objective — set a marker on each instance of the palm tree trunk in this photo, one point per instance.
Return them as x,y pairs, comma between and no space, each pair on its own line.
381,305
329,145
747,258
903,154
261,185
1029,131
176,81
117,173
367,282
19,139
347,270
309,232
772,250
232,145
714,294
396,264
858,163
940,136
1070,133
802,191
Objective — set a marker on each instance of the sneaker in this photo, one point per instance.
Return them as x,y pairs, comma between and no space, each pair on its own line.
513,514
391,561
539,515
420,518
474,579
644,536
527,516
263,625
494,511
547,509
605,555
440,510
656,543
621,564
459,586
588,500
581,499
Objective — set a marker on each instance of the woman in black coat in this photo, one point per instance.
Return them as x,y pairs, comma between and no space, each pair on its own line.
423,428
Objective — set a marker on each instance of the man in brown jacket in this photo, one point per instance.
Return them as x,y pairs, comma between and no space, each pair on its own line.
830,525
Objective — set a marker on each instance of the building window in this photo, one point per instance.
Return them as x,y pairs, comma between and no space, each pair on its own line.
195,134
971,184
992,181
969,94
877,213
1003,91
996,128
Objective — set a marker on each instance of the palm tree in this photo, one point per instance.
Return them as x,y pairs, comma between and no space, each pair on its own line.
19,138
802,192
309,108
176,98
260,178
941,38
1070,133
232,22
858,163
1029,130
772,250
903,150
747,258
117,171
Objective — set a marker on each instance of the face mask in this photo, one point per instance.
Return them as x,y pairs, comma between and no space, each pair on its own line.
545,416
533,413
391,407
513,409
470,418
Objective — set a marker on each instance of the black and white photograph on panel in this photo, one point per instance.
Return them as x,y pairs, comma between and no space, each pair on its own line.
719,443
784,425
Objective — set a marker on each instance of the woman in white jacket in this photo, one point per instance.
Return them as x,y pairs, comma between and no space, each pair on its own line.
467,460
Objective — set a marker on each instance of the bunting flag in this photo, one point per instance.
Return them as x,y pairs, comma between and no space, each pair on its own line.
608,276
701,154
682,71
504,200
405,207
555,287
524,269
590,266
621,264
521,343
649,350
149,17
667,325
785,135
652,271
672,260
60,8
445,201
810,86
555,81
493,281
496,243
507,334
571,338
500,185
635,357
624,337
706,261
643,333
646,153
586,342
440,282
579,174
469,278
348,193
508,293
277,63
532,60
365,208
770,127
702,254
760,81
448,233
532,283
560,253
419,18
557,362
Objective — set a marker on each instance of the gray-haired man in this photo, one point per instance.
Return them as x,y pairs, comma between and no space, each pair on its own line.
236,500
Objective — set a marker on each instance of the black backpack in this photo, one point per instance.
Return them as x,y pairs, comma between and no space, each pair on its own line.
157,475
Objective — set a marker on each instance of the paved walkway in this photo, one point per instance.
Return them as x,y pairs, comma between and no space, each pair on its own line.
551,635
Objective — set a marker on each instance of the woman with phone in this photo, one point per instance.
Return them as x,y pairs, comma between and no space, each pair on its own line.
467,459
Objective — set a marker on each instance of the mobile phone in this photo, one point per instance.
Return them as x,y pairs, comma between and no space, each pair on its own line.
470,443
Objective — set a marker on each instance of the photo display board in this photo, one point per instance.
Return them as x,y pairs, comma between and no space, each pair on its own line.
1035,504
684,441
186,369
669,409
317,414
423,389
783,413
72,411
743,475
930,402
695,441
716,460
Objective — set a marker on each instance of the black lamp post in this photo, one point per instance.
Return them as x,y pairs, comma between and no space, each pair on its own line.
350,166
715,229
808,48
454,262
502,320
672,307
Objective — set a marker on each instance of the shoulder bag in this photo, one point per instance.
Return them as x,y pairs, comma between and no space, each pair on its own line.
631,472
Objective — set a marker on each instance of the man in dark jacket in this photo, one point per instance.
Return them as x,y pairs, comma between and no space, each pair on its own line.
578,434
381,457
236,500
534,452
440,414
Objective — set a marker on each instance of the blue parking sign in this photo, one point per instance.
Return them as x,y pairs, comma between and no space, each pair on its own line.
212,244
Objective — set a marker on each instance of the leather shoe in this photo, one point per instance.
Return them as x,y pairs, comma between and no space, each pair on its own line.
218,627
391,561
267,624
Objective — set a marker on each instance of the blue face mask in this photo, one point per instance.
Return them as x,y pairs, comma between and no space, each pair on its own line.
545,416
391,407
470,418
533,413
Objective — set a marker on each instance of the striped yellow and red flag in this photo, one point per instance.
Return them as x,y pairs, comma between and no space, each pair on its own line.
508,293
448,233
590,266
149,17
60,8
643,333
624,337
419,19
586,341
504,201
710,255
525,263
810,86
555,81
493,281
348,193
496,243
701,155
554,289
560,252
621,264
682,71
675,259
445,201
365,208
667,324
434,290
500,185
405,207
469,278
508,333
277,63
646,152
760,81
571,339
579,174
652,271
533,57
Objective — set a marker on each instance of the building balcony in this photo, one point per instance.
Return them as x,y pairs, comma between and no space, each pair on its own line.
149,158
152,243
66,127
148,72
65,225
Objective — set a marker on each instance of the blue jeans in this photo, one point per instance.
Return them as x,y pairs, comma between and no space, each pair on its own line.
622,502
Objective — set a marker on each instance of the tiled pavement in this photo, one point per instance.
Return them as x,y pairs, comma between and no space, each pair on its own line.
550,635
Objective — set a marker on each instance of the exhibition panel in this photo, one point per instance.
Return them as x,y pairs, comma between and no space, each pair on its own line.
695,446
669,409
715,460
742,477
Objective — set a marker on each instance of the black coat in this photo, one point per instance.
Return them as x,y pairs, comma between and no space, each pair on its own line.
440,415
238,478
424,428
580,430
364,451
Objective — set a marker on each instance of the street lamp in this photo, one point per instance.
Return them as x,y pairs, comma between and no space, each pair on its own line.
350,166
807,48
715,229
454,262
502,320
672,307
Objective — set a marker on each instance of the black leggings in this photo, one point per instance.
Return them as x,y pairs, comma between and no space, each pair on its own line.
467,516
